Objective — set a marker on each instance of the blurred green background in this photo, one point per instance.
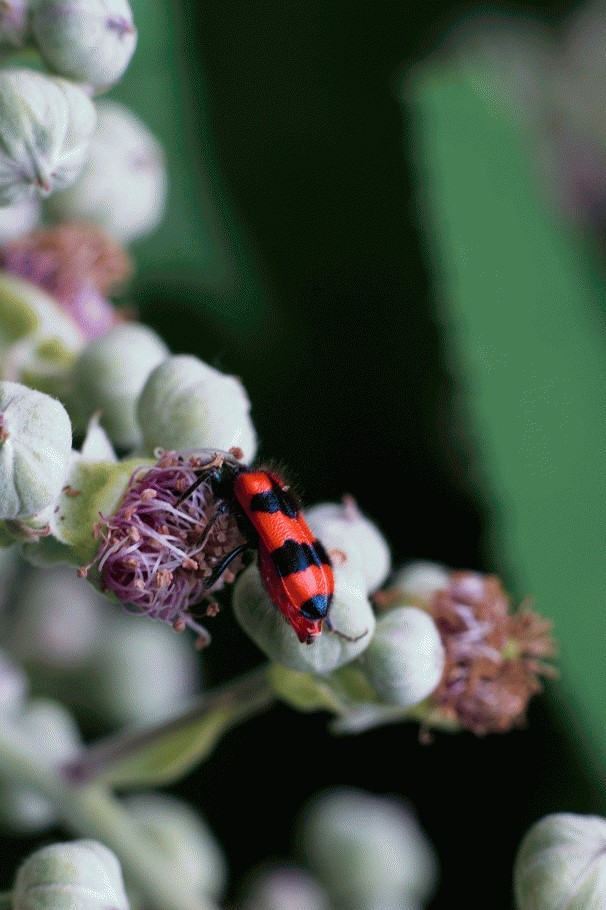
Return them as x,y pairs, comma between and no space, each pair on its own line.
413,327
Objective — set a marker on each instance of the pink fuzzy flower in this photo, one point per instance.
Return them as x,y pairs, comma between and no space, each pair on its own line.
78,265
160,549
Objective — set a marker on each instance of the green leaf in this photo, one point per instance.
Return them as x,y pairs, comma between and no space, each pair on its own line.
521,299
303,691
171,756
164,753
346,692
352,685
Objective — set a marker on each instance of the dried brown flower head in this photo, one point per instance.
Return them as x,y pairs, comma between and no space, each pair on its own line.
493,657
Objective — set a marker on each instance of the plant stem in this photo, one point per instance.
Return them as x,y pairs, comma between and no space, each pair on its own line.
93,812
252,693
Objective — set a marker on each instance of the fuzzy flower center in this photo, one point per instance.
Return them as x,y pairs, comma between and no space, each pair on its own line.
493,657
164,546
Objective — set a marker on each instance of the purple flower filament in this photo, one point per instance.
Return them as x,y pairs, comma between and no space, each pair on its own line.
159,552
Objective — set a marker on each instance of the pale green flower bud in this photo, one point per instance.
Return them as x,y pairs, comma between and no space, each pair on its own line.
350,614
79,875
35,447
57,619
109,375
13,685
405,659
45,129
97,445
184,839
24,811
419,581
14,22
38,340
90,41
186,404
122,187
95,658
561,862
50,729
284,888
368,851
141,673
341,526
19,218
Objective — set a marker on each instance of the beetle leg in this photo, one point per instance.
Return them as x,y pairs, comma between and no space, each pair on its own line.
218,570
191,489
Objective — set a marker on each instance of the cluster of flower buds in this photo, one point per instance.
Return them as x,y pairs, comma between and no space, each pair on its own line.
53,136
100,662
356,851
45,725
360,851
162,535
105,178
86,875
446,651
65,875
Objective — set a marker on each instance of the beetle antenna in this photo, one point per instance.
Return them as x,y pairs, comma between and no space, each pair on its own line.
350,638
202,472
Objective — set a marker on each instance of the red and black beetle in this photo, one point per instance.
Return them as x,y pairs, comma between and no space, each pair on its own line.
294,565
